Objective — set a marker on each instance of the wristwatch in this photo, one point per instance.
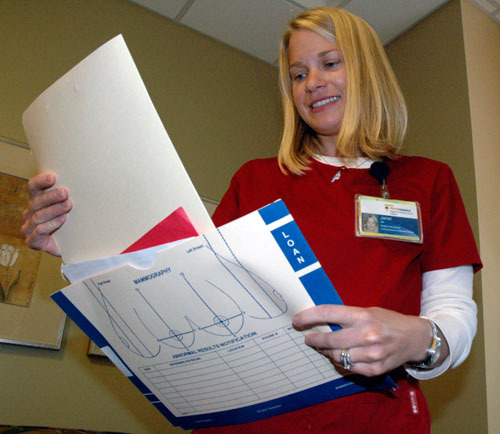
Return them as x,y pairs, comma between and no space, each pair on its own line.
433,352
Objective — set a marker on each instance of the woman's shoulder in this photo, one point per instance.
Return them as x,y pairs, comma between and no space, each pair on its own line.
262,162
419,165
259,166
418,160
422,174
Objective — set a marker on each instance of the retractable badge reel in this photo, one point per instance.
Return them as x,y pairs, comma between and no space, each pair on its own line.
380,170
386,218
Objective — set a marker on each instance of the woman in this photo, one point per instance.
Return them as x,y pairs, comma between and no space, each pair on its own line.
371,223
342,110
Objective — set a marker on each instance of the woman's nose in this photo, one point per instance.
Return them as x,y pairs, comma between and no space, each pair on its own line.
314,80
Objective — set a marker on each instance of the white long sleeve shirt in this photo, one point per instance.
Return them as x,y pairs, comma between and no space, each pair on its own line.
447,300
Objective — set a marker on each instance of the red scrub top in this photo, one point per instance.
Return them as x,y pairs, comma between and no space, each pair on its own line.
365,271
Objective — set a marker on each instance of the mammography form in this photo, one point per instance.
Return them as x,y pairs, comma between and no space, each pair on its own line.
98,130
206,333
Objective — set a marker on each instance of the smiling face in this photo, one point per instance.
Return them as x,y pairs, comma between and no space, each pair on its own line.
371,224
318,77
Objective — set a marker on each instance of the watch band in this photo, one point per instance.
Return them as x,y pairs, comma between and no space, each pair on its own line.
433,352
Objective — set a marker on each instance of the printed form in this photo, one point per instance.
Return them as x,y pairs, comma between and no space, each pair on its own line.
206,333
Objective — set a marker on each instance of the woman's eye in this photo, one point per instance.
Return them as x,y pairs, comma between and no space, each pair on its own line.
299,76
332,64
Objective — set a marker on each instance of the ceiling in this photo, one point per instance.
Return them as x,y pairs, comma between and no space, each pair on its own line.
489,7
255,26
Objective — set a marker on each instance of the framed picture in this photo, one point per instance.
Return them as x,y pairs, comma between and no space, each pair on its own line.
27,277
94,351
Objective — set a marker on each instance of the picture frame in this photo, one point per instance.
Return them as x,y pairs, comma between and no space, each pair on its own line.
94,351
31,319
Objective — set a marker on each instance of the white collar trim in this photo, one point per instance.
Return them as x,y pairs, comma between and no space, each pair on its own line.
350,163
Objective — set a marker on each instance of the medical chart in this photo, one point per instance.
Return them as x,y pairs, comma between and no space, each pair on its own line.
206,333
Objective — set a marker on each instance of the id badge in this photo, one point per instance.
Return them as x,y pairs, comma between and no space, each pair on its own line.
377,217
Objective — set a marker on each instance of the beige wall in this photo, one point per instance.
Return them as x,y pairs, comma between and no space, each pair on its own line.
429,61
482,49
220,108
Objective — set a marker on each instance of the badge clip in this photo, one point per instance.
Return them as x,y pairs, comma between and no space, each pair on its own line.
380,170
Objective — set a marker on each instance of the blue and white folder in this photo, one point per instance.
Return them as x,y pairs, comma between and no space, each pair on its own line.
206,333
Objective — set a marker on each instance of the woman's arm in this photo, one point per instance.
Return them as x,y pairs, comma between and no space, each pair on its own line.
447,300
381,340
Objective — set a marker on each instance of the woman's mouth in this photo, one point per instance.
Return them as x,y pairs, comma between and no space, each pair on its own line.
325,101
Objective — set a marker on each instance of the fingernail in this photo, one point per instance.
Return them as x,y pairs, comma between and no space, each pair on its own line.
307,341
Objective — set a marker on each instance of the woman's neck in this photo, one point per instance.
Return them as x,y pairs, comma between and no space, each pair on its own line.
328,145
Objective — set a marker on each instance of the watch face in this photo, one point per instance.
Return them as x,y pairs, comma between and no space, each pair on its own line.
435,349
433,352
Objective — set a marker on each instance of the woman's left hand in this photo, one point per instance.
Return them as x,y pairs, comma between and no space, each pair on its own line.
379,340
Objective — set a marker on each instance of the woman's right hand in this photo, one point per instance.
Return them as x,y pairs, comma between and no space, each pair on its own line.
47,211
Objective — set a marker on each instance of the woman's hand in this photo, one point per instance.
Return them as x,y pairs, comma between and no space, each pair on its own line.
379,340
47,211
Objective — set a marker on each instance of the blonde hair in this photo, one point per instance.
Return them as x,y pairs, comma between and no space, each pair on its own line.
375,117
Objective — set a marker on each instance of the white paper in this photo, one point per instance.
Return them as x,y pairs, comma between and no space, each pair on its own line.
142,259
97,128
